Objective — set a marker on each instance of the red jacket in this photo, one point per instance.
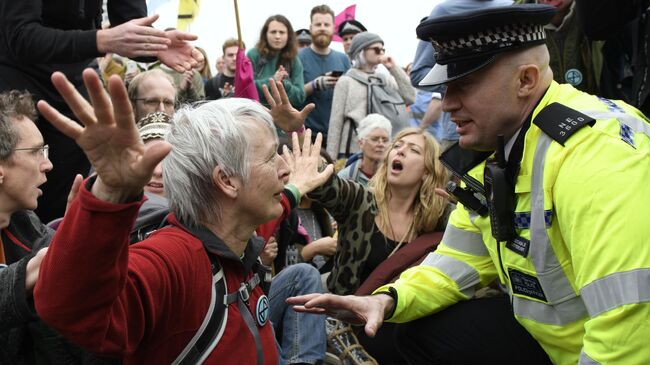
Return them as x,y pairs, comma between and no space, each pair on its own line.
142,302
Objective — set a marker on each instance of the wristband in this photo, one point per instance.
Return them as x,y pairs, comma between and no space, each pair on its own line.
313,87
294,190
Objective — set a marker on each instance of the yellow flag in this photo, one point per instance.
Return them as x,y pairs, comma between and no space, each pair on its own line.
188,10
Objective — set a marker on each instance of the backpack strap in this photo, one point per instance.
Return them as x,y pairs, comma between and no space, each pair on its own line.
213,325
352,129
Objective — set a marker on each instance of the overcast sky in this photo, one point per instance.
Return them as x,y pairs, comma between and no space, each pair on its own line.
394,21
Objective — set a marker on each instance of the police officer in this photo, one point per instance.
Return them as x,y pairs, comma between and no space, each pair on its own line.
558,184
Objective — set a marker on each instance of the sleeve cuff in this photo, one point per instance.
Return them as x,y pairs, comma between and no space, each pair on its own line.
392,292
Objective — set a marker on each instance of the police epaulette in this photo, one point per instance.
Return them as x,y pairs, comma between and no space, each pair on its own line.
560,122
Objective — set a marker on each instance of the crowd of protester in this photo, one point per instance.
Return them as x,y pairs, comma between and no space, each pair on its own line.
148,215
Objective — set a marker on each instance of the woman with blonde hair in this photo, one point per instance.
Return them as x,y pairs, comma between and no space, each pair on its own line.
399,205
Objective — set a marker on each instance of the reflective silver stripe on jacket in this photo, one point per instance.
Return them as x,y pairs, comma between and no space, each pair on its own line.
615,290
586,360
464,241
636,124
559,314
564,305
465,276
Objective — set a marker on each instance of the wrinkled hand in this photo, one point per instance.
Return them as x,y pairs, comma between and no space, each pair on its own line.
284,115
109,137
180,55
270,251
135,38
32,270
303,163
369,310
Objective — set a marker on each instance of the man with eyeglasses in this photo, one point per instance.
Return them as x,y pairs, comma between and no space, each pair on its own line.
24,339
374,135
152,91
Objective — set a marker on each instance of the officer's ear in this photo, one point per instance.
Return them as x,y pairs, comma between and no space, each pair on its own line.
529,77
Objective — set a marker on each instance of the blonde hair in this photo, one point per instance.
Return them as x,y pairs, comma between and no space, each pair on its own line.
427,206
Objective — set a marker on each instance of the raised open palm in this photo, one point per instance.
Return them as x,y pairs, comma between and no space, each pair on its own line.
108,137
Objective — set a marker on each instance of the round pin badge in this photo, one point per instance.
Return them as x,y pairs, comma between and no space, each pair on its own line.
573,76
262,310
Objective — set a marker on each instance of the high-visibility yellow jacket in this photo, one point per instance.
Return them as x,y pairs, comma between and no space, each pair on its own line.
583,287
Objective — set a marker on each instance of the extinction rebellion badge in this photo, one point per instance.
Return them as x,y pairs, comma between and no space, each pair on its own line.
573,76
262,310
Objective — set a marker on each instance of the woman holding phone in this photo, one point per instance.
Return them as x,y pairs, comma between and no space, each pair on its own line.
350,103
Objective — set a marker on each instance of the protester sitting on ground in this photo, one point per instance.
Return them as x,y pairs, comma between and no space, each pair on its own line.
350,103
276,56
223,179
153,128
567,242
24,338
374,135
376,222
152,91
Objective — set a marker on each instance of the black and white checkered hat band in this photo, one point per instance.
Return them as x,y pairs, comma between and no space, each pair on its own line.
488,41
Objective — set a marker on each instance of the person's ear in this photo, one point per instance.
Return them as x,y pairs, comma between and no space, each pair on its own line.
528,79
2,173
228,185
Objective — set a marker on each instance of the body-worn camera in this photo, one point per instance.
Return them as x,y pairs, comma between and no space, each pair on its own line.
500,196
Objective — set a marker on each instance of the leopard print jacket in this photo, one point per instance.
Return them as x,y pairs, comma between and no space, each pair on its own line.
354,208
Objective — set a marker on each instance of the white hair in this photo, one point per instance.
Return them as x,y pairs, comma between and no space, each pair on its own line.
372,121
216,133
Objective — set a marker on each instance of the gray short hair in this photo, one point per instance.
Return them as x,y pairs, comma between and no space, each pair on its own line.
202,137
372,121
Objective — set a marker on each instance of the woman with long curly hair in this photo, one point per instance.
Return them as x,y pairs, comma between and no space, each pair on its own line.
399,205
276,56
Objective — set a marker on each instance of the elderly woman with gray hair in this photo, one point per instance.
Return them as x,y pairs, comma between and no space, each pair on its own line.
374,135
350,103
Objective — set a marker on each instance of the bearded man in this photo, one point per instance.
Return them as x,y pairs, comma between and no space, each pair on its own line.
322,68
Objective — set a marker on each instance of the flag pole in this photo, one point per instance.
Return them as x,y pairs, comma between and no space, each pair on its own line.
241,45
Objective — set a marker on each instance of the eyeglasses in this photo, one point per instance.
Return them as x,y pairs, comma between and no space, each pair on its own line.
44,151
378,50
153,102
383,140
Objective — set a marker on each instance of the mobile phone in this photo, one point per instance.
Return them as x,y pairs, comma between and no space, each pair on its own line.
336,73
